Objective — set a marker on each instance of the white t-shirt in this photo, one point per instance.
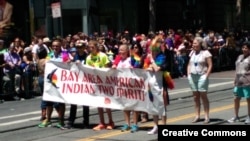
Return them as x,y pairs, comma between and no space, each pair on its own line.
36,46
198,64
124,63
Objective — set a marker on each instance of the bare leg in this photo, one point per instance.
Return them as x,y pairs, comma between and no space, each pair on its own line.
49,112
196,96
135,117
61,113
101,115
111,124
46,122
205,104
236,106
127,120
155,128
164,120
248,106
43,113
101,125
127,117
109,113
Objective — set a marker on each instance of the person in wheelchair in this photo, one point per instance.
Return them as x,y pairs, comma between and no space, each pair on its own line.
12,73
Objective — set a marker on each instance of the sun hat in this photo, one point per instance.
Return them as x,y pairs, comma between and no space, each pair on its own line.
46,40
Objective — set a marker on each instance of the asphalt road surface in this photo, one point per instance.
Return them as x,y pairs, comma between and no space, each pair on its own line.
19,119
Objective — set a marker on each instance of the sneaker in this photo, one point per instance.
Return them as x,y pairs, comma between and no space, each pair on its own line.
247,121
99,127
68,126
233,119
134,128
153,131
59,125
45,123
16,98
125,128
110,126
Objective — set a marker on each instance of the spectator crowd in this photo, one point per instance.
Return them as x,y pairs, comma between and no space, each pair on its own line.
22,64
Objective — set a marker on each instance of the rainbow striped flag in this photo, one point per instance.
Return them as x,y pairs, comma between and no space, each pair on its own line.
168,79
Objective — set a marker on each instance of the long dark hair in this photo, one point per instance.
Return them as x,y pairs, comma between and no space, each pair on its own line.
140,52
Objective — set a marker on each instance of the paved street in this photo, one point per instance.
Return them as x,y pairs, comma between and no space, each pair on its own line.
19,119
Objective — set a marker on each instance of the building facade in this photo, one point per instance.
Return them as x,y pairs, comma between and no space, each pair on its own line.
34,17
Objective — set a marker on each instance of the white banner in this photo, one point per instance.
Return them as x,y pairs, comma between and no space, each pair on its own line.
124,89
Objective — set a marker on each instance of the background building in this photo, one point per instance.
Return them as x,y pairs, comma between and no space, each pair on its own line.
34,17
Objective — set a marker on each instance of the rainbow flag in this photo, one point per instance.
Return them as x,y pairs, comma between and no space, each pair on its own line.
146,63
135,60
168,79
65,56
160,59
49,55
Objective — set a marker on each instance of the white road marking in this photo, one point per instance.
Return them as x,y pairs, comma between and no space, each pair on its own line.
177,91
54,114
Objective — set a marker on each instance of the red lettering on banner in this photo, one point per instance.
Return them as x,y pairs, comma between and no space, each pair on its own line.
63,75
91,78
126,82
131,94
69,76
140,84
108,80
77,88
108,90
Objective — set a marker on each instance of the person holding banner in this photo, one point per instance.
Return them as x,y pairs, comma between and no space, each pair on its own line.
58,56
99,59
156,61
41,61
137,55
79,57
125,61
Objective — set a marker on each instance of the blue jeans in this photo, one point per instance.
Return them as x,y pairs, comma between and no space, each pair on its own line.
41,85
182,63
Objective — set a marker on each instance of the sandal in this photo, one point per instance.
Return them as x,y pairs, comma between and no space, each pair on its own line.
143,120
196,119
206,121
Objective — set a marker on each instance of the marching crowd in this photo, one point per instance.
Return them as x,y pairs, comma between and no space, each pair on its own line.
150,52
